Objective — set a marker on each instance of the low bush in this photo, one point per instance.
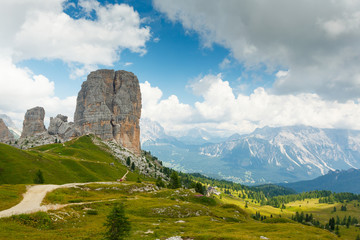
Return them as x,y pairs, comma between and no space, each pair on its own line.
40,220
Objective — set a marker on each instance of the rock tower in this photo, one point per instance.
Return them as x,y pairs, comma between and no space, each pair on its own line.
33,122
109,105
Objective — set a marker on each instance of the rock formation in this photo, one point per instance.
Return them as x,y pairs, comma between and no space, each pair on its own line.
109,105
33,122
5,135
61,127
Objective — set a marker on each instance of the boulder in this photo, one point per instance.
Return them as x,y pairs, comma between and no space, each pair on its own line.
109,106
33,122
61,127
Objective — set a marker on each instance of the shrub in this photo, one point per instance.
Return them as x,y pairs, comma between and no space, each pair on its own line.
205,201
40,220
92,212
159,182
277,220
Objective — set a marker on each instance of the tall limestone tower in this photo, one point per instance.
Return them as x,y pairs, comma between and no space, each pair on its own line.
109,105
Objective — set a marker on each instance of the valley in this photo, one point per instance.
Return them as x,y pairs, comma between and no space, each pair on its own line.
267,155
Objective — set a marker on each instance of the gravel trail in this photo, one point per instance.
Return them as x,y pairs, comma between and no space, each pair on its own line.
34,196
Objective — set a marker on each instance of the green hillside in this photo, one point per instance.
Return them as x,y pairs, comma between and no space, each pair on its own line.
79,160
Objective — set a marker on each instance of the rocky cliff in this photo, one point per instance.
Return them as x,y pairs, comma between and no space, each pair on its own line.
33,122
5,135
109,105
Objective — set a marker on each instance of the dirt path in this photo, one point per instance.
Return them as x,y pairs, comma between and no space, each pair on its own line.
34,196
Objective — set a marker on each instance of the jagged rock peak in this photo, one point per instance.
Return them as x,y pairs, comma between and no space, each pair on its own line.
109,105
5,135
33,122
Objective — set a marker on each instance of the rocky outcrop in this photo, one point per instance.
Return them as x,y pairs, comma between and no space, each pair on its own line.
5,135
62,128
33,122
109,105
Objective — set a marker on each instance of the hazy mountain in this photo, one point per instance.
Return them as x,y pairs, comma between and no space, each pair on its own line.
198,136
11,125
336,181
283,154
150,130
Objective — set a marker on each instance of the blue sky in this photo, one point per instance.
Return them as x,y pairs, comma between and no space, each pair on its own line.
224,66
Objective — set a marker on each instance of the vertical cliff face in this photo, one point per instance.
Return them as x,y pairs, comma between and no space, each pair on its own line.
33,122
5,135
109,105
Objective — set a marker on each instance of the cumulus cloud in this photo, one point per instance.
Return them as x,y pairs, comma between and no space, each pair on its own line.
37,29
21,90
170,112
317,41
52,34
222,112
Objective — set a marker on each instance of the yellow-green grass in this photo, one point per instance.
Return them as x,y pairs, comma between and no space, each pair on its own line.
320,211
79,160
10,195
155,214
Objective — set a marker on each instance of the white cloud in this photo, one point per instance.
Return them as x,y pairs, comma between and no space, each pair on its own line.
225,63
221,112
281,74
170,113
318,41
55,35
21,90
128,64
37,29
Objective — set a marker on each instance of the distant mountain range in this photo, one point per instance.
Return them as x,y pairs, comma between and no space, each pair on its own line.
267,155
336,181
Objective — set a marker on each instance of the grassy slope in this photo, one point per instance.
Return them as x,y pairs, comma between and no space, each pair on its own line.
10,195
321,211
153,215
79,160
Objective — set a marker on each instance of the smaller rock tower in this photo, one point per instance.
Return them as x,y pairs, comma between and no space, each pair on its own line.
33,122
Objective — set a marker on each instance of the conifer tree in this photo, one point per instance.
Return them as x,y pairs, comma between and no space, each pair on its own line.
199,188
174,180
133,166
117,224
39,178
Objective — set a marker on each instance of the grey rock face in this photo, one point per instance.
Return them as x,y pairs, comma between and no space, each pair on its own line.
61,127
5,135
33,122
109,105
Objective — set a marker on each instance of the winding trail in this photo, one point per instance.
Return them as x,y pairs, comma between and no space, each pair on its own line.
34,196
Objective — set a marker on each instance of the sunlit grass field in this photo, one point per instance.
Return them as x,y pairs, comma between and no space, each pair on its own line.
320,211
154,214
